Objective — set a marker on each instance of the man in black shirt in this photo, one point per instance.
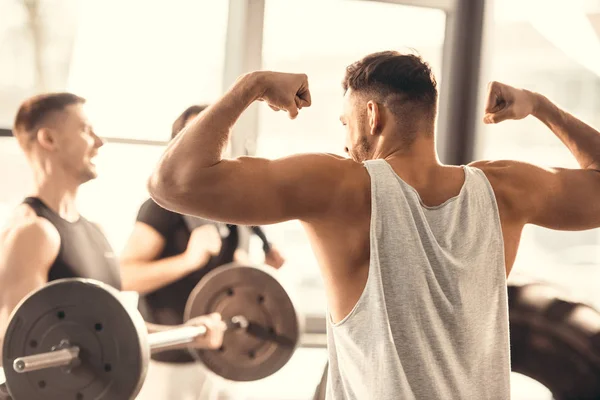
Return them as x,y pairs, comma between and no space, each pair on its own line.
167,254
46,237
164,259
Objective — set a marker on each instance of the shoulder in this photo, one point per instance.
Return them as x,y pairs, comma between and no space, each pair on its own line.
339,174
507,173
317,173
497,172
317,183
24,222
349,183
26,233
488,166
511,181
350,172
332,165
311,160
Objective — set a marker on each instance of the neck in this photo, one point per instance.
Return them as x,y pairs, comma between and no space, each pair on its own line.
418,160
57,190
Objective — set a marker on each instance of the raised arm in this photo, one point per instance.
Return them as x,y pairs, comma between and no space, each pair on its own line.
192,178
506,102
556,198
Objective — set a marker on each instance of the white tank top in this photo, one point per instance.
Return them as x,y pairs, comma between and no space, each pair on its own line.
432,321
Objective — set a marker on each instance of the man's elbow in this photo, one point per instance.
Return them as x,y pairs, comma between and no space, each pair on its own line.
155,186
162,187
174,190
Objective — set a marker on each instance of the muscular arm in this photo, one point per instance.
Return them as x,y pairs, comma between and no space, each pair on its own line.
192,178
567,199
556,198
27,251
140,269
581,139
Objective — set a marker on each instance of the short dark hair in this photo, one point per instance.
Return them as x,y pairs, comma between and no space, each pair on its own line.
179,123
34,111
387,73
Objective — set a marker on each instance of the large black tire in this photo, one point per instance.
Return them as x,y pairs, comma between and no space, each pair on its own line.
555,341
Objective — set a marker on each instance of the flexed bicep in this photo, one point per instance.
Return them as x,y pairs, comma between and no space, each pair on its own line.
257,191
555,198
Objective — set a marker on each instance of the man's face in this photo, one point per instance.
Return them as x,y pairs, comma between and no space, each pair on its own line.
355,120
76,144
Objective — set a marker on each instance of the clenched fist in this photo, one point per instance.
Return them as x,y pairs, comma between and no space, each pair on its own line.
274,258
284,91
215,329
506,102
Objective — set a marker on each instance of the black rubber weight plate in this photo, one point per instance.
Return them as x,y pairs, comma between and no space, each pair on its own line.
256,294
113,344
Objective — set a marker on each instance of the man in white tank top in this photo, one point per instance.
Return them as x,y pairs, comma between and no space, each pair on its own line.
414,254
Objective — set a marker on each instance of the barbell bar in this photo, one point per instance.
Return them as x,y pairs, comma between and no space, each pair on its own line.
173,339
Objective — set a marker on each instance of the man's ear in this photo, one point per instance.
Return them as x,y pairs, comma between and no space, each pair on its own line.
46,138
374,117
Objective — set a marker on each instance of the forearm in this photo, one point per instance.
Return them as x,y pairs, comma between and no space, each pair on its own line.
581,139
145,277
200,145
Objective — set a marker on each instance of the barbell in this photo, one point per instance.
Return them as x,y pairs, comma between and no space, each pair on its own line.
77,338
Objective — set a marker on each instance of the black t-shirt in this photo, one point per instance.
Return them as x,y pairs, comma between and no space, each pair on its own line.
84,251
166,305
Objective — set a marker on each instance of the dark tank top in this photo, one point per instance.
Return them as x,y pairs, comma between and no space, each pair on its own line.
84,251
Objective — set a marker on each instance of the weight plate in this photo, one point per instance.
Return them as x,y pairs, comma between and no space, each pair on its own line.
113,343
274,330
